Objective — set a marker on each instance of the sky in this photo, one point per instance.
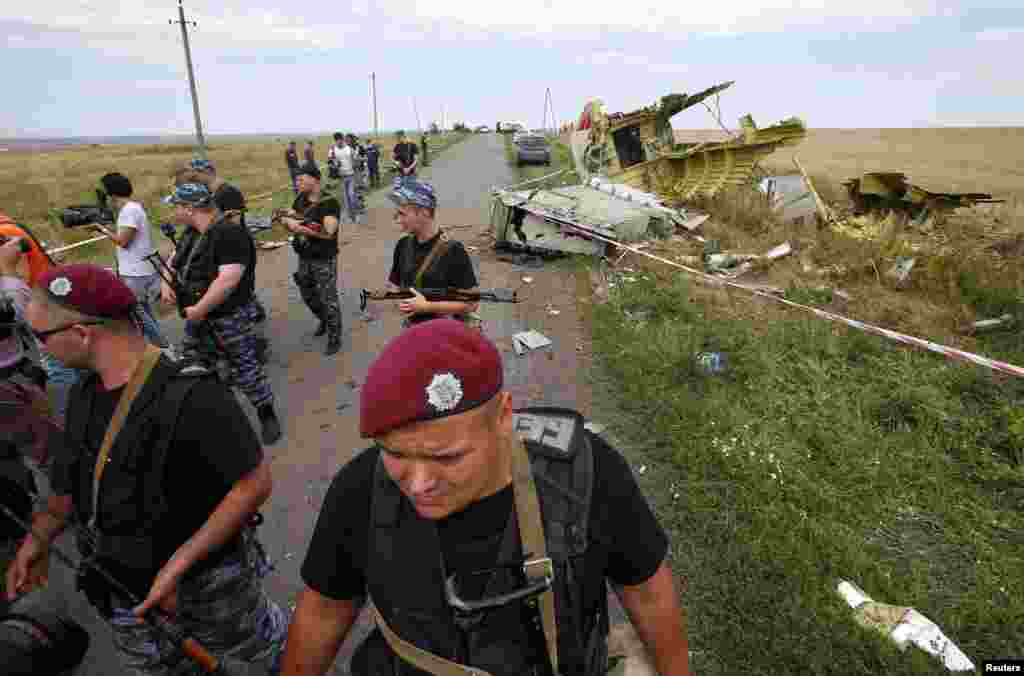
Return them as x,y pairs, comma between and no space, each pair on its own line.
117,67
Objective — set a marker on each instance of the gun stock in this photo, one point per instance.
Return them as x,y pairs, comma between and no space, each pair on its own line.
449,294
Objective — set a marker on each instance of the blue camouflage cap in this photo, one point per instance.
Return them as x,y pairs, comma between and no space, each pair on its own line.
203,165
191,194
414,192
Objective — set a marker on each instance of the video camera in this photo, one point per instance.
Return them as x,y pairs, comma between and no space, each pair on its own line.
85,214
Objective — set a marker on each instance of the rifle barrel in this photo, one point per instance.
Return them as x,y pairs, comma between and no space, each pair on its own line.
192,648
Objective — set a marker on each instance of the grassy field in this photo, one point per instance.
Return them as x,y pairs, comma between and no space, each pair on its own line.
820,453
33,184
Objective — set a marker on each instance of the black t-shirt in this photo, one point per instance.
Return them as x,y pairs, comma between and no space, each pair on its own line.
225,244
312,247
405,153
214,446
452,269
627,542
372,155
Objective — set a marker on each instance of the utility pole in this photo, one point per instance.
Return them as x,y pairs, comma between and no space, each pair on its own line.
548,105
373,87
191,77
417,113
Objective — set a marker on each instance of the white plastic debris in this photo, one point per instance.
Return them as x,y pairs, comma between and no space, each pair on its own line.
594,427
530,340
643,468
527,280
904,626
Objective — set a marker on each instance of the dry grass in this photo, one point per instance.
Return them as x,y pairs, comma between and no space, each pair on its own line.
33,183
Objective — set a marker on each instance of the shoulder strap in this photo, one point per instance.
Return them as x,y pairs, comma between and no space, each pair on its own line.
440,246
139,377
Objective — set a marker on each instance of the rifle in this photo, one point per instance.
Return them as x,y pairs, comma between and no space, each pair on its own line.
277,215
449,294
156,617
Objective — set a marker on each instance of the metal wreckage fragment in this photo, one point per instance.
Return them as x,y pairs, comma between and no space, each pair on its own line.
634,179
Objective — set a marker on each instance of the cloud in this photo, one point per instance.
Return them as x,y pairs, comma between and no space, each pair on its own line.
657,16
1000,35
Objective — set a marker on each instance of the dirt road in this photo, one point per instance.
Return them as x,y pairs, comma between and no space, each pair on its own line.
317,396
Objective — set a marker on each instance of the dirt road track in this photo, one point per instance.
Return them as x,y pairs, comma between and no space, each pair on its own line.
317,396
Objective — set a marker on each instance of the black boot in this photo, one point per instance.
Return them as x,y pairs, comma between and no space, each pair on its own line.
270,424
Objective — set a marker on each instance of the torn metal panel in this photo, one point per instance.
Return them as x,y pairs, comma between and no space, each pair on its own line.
639,148
558,219
878,191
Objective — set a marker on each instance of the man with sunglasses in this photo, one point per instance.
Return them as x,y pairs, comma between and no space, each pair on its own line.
470,549
215,261
162,500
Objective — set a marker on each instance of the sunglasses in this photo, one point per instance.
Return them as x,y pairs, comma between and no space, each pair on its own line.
42,336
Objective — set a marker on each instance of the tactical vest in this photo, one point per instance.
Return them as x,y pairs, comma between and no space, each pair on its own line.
406,575
133,505
196,264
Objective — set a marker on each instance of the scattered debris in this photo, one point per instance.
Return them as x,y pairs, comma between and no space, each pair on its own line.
1002,322
524,259
529,340
904,626
593,427
789,197
901,271
890,191
823,210
643,468
527,280
711,363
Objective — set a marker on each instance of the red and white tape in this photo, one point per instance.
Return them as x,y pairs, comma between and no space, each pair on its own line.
945,350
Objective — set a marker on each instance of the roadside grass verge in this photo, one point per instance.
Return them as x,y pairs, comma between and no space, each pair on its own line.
820,454
561,158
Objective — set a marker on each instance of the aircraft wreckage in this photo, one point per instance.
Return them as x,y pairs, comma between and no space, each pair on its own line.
636,178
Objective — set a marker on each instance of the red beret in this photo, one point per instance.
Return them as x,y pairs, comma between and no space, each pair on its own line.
89,289
431,370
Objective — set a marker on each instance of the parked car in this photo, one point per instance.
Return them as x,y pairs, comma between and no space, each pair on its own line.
483,129
533,149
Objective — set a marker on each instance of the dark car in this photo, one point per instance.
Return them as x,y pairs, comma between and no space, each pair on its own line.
533,149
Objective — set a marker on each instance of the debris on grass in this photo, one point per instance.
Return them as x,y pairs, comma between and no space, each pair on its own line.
904,626
529,340
1003,322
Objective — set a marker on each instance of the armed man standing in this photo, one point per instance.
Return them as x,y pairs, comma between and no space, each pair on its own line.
231,202
164,501
404,155
426,258
479,555
215,262
314,221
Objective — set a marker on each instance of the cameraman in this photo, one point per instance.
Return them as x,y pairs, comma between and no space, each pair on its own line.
134,243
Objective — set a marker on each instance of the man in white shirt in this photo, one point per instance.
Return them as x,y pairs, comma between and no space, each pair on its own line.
343,154
134,242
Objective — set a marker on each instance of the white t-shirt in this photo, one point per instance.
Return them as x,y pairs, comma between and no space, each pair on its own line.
344,156
131,261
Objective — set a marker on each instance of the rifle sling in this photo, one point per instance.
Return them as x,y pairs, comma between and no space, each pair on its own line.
131,390
440,246
531,534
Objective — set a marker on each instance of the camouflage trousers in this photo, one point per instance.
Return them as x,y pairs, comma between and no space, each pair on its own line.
233,339
318,283
225,609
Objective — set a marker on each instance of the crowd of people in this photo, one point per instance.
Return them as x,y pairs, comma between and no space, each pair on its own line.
437,526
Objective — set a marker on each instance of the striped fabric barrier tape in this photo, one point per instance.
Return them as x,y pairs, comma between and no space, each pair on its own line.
945,350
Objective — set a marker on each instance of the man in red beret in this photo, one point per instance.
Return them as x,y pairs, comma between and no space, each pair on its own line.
166,500
483,537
